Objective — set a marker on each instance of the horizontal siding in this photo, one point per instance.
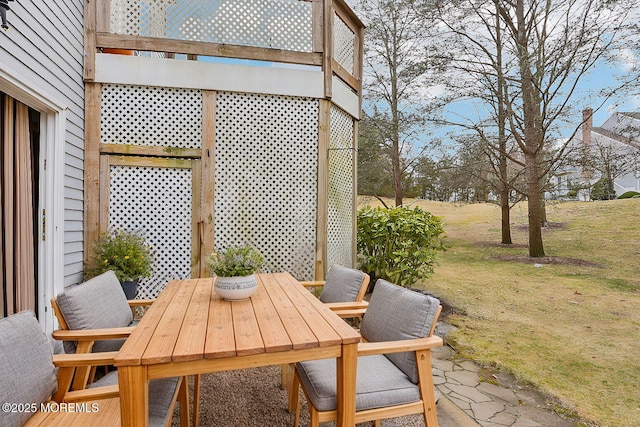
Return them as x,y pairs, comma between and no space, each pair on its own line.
44,44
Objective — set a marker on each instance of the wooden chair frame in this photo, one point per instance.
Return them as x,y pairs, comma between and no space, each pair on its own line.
85,339
67,364
346,310
427,403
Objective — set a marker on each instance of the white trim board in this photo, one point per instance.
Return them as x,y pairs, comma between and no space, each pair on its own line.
138,70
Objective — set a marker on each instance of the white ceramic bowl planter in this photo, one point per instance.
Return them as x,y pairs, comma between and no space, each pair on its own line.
235,288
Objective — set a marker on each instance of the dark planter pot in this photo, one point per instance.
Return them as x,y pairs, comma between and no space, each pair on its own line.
130,288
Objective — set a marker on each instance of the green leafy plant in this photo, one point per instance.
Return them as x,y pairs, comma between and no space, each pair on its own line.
235,261
629,195
126,253
398,244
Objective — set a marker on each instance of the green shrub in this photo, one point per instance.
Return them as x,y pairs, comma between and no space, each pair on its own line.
398,244
601,190
629,195
126,253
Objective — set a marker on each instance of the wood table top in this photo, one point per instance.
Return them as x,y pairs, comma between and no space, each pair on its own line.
190,322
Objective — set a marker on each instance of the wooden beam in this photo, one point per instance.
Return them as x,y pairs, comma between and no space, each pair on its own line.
207,215
354,201
327,54
143,150
345,75
324,134
207,49
347,15
103,16
317,21
89,40
196,224
93,94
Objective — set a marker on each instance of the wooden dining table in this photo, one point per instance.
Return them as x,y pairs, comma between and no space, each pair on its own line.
191,330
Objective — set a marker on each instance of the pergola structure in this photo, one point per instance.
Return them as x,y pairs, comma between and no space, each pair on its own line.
214,123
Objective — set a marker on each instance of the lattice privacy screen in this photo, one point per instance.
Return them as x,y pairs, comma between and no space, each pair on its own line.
279,24
343,44
266,178
157,202
341,189
151,116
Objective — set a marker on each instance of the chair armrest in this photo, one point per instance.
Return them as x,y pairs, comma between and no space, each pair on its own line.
350,314
351,305
386,347
140,302
84,359
311,284
106,392
92,334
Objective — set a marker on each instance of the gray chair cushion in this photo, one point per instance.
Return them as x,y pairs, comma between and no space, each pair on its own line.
27,374
161,394
342,284
97,303
379,383
396,313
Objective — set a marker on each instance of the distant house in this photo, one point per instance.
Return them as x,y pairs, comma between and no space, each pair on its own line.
609,152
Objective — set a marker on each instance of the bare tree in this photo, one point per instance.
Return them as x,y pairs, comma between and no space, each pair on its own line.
396,82
540,51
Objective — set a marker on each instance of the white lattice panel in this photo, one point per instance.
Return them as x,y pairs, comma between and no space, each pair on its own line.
266,178
343,44
158,202
151,116
341,189
279,24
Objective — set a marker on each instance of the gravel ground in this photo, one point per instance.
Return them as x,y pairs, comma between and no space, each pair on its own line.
253,398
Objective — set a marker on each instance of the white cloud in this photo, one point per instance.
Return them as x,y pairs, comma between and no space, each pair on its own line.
627,60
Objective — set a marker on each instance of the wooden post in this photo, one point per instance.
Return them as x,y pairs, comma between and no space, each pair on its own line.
208,177
89,40
93,93
324,134
354,248
327,54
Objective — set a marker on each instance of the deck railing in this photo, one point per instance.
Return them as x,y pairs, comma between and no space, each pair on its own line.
319,33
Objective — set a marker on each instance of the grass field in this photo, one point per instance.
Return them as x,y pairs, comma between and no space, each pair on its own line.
572,329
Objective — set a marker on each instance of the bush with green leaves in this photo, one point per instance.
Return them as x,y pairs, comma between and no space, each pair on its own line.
126,253
629,195
398,244
601,190
235,261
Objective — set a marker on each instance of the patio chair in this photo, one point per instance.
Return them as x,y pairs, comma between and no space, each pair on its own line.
343,291
28,382
394,364
97,305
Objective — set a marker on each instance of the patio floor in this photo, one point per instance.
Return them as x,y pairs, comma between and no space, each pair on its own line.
253,398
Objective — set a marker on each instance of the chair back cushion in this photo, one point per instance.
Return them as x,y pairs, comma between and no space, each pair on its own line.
342,284
27,374
95,304
396,313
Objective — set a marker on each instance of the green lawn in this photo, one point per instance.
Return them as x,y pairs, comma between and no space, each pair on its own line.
572,329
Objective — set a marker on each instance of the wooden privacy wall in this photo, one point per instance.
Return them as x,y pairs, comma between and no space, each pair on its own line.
261,153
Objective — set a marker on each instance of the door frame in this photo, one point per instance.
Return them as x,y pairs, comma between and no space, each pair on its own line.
53,122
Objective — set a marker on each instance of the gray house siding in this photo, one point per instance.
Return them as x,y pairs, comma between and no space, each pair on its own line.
44,45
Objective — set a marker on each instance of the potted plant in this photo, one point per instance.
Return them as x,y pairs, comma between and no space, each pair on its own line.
234,269
126,253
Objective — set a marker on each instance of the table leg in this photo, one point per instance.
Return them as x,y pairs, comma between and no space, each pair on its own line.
346,385
134,395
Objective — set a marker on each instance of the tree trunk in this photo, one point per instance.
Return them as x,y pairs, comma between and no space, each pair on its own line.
536,247
506,215
533,136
